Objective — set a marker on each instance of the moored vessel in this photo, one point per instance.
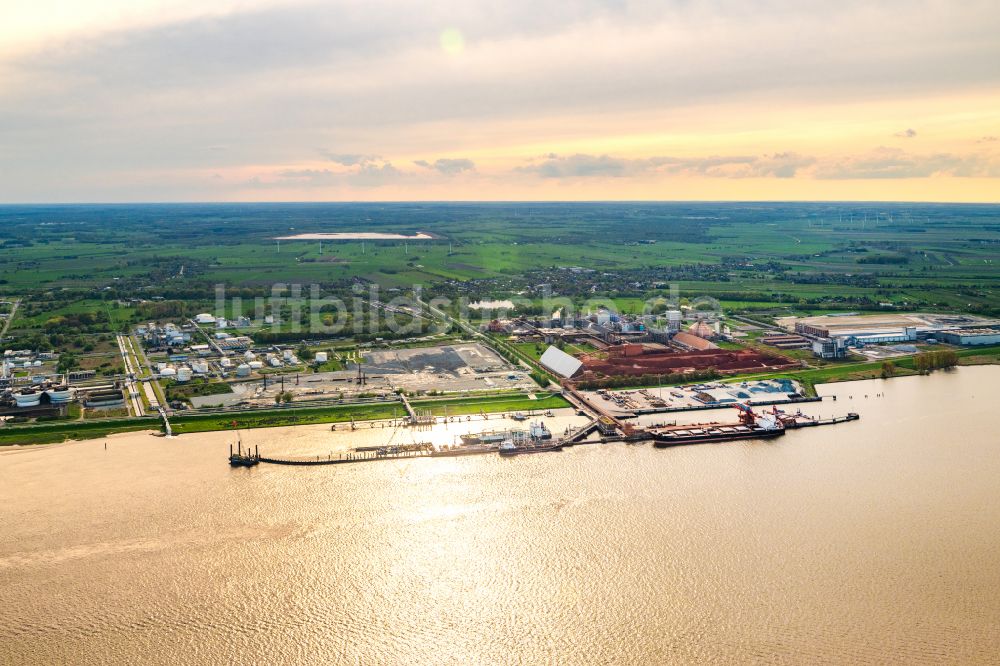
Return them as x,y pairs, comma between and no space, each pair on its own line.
539,431
751,426
240,459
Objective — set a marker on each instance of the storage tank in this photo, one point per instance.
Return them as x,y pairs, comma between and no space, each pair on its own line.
60,394
275,362
168,372
200,367
184,374
249,356
321,357
243,370
27,398
256,365
287,354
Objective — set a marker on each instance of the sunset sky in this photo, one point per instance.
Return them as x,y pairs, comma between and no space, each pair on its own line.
257,100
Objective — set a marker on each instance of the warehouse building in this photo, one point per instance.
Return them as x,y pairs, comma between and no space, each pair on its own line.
970,336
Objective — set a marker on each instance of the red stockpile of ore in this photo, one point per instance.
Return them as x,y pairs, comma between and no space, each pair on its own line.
721,360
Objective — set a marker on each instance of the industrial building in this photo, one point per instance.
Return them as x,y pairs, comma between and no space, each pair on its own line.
860,330
830,348
557,361
693,341
970,336
787,341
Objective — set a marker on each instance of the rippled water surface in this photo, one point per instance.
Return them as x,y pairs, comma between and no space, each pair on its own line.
874,541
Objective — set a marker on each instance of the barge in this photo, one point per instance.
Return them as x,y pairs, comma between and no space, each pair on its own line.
751,426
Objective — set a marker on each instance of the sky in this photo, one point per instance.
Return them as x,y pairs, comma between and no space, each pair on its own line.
375,100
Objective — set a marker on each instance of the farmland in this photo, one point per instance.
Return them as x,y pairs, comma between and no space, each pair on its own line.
747,255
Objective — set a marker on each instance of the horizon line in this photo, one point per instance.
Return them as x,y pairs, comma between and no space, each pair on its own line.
498,201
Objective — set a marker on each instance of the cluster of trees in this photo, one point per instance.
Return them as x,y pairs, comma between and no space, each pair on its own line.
77,322
884,259
67,362
935,360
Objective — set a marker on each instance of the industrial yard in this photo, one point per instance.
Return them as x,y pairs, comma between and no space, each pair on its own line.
461,368
652,400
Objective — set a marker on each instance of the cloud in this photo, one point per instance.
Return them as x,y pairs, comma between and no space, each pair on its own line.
364,174
308,175
586,166
886,162
348,159
375,175
906,134
777,165
448,166
271,81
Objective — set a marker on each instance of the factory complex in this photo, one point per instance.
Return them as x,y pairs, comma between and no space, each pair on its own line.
831,335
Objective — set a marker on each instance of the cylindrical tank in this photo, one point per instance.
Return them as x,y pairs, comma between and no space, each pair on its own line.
60,394
287,354
256,365
249,356
321,357
168,372
242,370
184,374
27,398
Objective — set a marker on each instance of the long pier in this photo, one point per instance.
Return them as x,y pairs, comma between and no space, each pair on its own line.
415,418
358,455
571,438
812,423
166,423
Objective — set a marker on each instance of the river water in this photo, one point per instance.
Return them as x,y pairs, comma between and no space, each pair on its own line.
872,541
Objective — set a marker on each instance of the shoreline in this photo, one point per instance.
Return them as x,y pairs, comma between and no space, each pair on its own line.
287,429
63,432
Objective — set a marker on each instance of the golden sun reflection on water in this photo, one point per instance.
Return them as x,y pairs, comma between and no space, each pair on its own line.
869,542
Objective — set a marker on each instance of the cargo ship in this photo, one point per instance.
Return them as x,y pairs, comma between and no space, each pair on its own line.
509,448
494,437
751,426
